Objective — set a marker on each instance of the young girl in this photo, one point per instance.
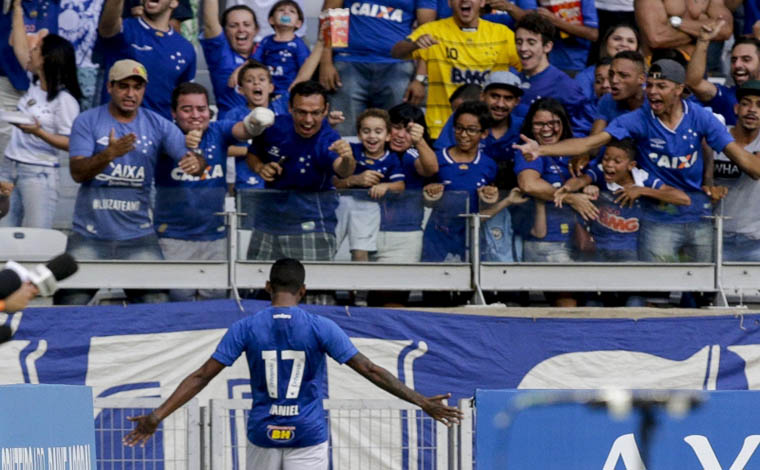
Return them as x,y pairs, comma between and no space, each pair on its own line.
464,174
31,161
377,170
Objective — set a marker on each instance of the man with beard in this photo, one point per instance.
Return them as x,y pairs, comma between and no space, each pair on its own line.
150,40
741,238
745,66
668,133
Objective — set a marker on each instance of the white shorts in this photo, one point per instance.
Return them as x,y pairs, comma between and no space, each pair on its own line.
399,247
288,458
359,220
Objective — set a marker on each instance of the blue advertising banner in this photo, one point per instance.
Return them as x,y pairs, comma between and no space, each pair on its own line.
553,431
46,427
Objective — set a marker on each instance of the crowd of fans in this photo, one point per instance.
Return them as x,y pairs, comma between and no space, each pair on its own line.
579,136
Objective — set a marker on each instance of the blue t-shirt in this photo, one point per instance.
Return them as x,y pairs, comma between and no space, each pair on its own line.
403,212
586,79
617,227
245,177
115,204
445,232
374,27
609,109
285,350
283,59
554,83
723,103
38,14
502,17
555,171
751,15
499,149
222,60
307,200
186,205
675,157
570,53
389,165
167,56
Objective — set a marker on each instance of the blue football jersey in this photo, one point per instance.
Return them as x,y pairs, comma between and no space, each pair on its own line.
285,349
283,59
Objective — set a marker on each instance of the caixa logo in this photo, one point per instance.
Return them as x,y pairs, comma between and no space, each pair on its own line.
674,163
625,448
281,433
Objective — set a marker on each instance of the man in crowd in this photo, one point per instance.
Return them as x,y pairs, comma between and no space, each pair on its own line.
286,349
741,229
364,75
627,76
298,157
114,149
668,132
226,46
745,66
457,50
534,36
187,217
150,40
676,23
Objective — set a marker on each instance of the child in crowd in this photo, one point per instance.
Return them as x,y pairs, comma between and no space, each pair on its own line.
618,186
377,169
465,174
283,52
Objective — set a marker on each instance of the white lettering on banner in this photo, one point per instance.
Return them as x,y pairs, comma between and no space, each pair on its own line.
115,205
215,171
123,175
75,457
284,410
378,11
625,447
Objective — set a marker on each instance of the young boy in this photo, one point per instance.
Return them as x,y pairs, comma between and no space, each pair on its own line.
283,52
377,169
619,185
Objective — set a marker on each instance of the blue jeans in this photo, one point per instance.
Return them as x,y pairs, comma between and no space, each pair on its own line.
368,85
35,196
739,247
671,243
82,248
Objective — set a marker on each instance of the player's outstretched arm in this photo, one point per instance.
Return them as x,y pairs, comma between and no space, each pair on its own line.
146,425
434,406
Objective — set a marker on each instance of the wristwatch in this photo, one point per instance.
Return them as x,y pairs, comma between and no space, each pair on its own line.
422,79
675,21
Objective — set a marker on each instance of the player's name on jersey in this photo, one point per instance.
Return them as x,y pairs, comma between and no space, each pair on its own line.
116,205
284,410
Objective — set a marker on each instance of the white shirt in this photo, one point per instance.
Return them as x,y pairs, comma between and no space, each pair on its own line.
614,5
55,117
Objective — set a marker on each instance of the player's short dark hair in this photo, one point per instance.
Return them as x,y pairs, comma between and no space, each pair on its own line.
746,40
252,64
307,88
467,92
284,3
627,145
288,275
374,112
633,56
187,88
238,7
537,24
477,109
553,106
604,61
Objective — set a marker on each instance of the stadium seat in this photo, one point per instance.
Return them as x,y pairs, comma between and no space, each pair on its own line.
31,244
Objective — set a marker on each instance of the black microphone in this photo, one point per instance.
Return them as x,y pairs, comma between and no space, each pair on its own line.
5,333
45,277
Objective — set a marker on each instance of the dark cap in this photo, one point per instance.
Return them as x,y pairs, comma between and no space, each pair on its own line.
751,87
504,79
667,69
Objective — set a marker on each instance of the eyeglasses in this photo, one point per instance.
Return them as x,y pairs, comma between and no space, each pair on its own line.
553,124
472,131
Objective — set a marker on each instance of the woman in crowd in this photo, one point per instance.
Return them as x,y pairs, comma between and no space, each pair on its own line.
622,37
547,123
31,159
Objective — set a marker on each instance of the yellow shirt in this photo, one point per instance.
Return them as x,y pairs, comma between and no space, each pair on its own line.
461,57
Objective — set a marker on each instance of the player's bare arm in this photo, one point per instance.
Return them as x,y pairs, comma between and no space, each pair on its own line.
146,425
434,406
